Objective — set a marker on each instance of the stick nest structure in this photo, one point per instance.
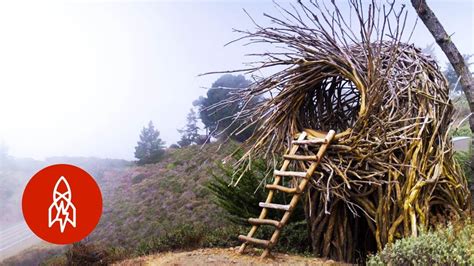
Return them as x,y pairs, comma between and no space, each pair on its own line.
390,171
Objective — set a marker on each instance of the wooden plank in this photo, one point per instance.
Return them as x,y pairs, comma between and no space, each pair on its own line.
256,241
301,157
291,190
274,206
257,221
309,142
290,173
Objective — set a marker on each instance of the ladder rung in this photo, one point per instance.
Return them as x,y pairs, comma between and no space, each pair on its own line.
290,173
274,206
310,141
283,188
256,221
252,240
301,157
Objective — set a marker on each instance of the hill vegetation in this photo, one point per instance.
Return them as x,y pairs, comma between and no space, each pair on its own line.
150,208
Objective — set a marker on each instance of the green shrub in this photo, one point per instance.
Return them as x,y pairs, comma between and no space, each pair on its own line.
464,160
446,246
463,131
82,254
55,261
138,178
188,236
223,237
171,166
88,254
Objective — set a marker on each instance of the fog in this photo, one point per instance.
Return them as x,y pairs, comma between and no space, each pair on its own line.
83,78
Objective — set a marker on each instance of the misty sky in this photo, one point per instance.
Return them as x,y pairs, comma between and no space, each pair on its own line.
83,78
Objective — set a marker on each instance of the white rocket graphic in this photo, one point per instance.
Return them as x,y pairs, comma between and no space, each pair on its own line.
62,210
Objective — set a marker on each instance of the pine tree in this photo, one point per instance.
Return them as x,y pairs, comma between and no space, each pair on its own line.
189,134
150,148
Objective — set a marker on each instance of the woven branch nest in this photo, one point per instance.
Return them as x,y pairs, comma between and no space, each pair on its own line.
391,169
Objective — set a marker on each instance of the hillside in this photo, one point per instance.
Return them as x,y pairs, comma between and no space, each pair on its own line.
142,203
16,172
155,207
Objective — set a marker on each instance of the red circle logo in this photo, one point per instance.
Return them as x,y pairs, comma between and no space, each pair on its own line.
62,204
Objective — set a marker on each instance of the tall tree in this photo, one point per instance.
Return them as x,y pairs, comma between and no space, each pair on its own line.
189,134
455,58
219,120
150,148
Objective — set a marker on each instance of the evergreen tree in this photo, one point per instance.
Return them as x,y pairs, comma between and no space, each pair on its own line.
189,134
150,148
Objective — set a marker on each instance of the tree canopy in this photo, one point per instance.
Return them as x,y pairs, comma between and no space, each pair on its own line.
220,121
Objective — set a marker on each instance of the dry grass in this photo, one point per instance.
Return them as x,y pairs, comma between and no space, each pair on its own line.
227,256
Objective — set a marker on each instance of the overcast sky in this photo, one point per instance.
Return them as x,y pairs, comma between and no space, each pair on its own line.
82,78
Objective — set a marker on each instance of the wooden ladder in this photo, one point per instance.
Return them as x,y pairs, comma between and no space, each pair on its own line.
296,191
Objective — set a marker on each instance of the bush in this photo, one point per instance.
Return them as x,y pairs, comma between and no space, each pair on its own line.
463,131
82,254
188,236
464,160
90,254
138,178
445,246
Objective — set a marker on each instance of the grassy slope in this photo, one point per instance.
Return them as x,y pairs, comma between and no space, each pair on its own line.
144,202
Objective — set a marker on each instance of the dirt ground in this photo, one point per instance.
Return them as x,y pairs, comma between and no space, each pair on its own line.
220,256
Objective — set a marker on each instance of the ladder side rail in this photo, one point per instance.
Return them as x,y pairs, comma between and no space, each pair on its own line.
269,198
296,197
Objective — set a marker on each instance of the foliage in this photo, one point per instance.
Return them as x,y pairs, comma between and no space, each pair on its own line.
181,237
189,236
463,131
462,108
90,254
221,122
82,254
169,191
138,178
445,246
150,148
240,203
174,146
464,160
189,134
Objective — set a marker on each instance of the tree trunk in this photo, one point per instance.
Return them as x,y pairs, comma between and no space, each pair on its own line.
455,58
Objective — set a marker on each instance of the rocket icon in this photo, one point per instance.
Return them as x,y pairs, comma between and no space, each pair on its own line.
62,210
